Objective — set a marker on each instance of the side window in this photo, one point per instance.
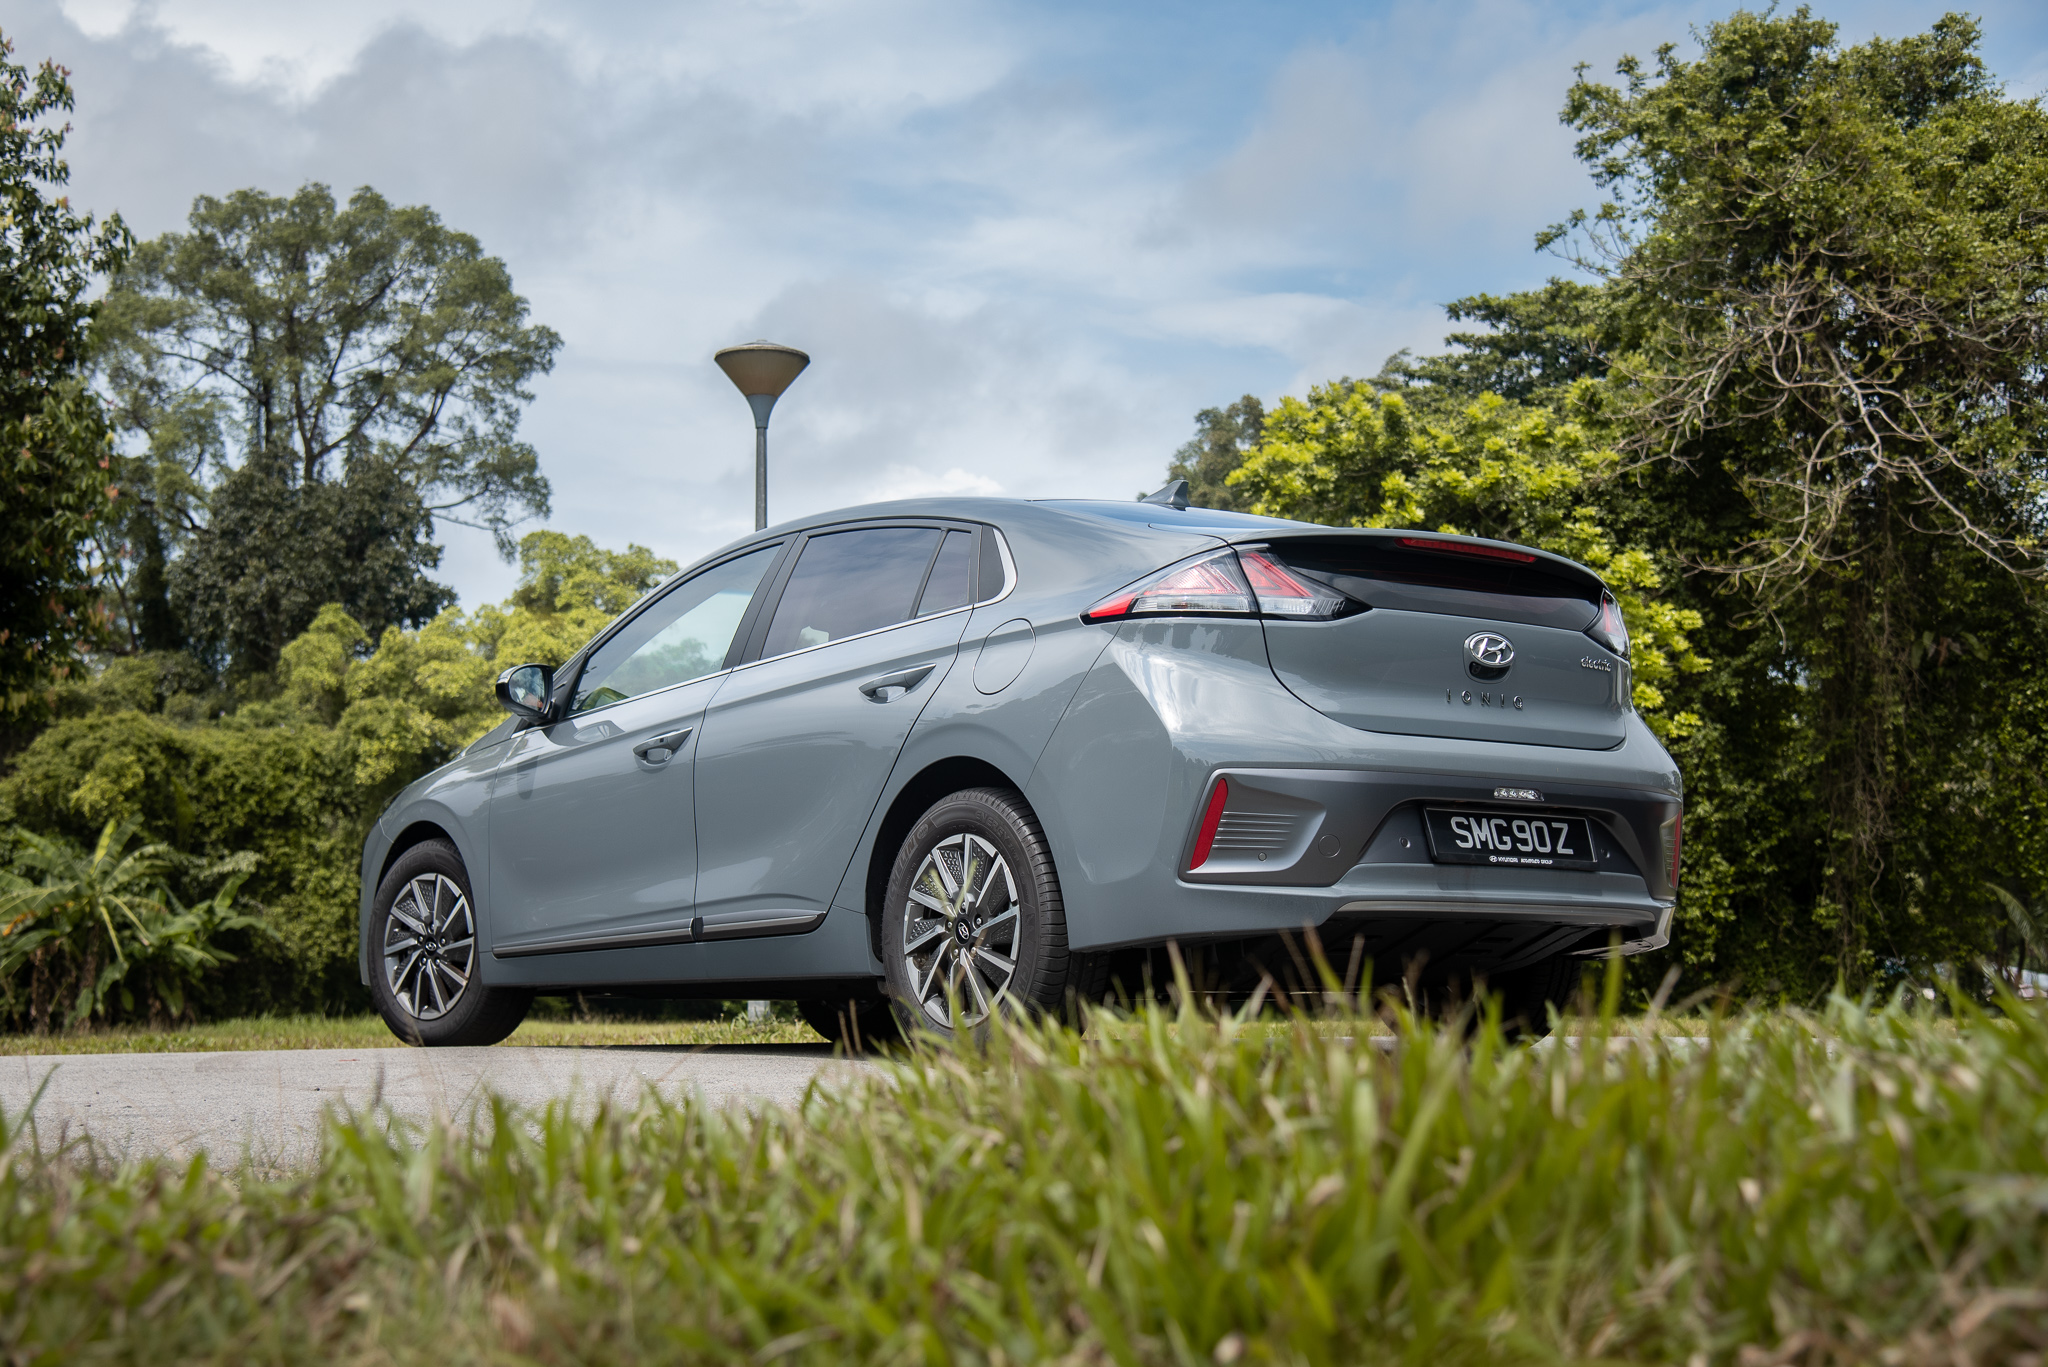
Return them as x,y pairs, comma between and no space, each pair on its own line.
993,577
683,635
846,583
952,573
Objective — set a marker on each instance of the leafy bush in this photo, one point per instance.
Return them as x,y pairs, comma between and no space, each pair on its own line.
101,936
295,765
1851,1186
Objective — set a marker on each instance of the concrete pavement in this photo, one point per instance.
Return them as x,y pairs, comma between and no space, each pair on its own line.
267,1104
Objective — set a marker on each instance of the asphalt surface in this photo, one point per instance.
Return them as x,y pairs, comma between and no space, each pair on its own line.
266,1105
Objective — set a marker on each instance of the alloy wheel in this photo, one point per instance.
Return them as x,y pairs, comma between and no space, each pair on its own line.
429,946
960,931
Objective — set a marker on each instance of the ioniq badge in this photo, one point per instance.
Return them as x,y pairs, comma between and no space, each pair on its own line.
1489,650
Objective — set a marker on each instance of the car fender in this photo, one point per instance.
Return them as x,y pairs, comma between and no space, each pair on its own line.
455,799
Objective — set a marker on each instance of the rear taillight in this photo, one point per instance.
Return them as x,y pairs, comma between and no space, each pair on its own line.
1609,629
1208,585
1282,594
1211,819
1674,840
1223,583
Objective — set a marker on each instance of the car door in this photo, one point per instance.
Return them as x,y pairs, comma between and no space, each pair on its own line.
797,744
593,822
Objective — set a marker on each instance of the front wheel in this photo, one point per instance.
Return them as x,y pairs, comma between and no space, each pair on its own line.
973,923
424,955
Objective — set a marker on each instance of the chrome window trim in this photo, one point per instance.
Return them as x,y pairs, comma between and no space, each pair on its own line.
862,636
1009,567
1009,586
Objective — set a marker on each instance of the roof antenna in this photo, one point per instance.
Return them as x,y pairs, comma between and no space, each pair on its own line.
1174,495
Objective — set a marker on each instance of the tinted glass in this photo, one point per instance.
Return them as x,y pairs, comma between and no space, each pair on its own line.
682,636
849,582
992,576
1382,573
952,573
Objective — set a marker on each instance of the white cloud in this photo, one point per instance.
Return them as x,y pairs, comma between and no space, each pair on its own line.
904,481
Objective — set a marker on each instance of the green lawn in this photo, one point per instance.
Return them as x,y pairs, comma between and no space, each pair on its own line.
1853,1186
369,1032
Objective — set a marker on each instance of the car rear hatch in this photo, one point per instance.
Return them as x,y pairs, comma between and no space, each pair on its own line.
1455,637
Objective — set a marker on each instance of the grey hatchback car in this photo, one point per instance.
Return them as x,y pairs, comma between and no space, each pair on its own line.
909,764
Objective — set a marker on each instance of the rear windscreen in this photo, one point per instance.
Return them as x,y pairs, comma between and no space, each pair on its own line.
1381,572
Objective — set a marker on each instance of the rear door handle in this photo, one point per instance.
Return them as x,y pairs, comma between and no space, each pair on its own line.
890,687
658,750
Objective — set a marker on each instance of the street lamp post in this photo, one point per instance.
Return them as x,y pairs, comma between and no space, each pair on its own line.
761,371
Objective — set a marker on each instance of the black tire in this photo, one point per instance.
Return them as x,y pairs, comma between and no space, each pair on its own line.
862,1024
987,818
425,1006
1529,994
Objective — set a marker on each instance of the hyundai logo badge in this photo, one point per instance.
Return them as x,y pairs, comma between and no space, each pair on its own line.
1489,649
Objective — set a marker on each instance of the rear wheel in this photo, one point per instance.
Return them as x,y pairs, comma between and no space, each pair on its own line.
424,955
973,923
1528,995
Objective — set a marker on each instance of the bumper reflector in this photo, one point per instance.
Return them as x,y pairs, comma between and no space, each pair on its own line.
1218,796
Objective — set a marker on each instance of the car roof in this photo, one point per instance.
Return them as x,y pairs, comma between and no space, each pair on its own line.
1136,517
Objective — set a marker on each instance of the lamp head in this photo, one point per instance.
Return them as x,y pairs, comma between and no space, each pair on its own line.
761,371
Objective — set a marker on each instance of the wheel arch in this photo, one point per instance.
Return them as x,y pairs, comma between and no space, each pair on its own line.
912,801
418,833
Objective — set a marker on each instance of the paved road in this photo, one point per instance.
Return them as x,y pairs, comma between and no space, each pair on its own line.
266,1104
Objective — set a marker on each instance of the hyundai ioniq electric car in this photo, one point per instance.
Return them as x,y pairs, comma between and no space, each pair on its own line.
916,763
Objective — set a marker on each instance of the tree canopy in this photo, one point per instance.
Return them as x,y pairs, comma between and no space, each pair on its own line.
1835,263
309,389
54,439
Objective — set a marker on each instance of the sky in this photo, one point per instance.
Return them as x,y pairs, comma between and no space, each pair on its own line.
1023,242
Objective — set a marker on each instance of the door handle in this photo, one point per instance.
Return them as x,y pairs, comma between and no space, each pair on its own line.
890,687
658,750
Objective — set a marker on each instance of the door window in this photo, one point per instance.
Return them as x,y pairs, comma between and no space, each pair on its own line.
682,636
846,583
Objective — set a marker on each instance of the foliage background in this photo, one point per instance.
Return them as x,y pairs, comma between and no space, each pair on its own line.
294,765
1793,406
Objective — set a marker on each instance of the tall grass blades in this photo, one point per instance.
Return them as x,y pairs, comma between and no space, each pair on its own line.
1857,1185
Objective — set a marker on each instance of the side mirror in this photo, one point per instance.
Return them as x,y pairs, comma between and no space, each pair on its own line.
527,691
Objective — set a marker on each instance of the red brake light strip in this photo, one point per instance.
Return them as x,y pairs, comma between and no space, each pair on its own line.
1421,543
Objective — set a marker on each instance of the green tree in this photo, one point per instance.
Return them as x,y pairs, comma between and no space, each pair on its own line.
569,587
1836,263
1223,437
313,387
1537,344
1351,456
54,438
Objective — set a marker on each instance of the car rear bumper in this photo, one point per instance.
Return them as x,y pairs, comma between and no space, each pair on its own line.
1589,911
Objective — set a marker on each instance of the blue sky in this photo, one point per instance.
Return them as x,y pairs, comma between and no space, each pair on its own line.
1023,242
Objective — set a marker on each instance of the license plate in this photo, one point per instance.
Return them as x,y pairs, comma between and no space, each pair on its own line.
1510,840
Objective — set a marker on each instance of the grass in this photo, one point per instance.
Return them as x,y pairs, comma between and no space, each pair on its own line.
1855,1185
370,1032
